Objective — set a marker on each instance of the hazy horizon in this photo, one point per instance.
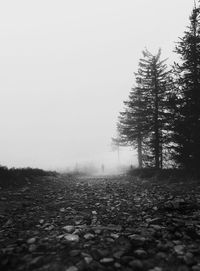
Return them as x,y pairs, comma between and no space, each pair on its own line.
66,68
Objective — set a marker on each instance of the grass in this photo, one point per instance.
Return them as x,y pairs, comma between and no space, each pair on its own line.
20,176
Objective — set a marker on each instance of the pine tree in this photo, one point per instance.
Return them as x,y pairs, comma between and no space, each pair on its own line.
187,121
144,123
132,121
156,85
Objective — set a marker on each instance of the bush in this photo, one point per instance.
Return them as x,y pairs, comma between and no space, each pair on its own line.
20,176
163,174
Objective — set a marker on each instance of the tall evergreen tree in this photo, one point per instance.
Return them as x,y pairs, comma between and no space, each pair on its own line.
187,121
143,123
132,122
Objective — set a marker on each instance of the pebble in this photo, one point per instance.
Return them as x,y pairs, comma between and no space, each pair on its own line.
156,227
89,236
179,249
118,254
74,252
117,265
69,228
107,260
161,255
140,253
88,260
31,240
136,265
196,267
94,212
32,248
50,228
72,237
41,221
72,268
114,235
189,258
137,237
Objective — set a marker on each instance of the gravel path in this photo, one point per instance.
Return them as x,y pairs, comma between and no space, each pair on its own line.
100,223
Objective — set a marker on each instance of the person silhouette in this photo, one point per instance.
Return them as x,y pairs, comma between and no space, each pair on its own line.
102,168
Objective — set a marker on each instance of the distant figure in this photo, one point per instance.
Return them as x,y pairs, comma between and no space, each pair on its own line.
102,168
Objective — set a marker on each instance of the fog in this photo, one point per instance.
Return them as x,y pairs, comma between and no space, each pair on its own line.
66,67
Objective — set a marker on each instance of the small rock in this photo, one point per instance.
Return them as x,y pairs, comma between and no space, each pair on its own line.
114,235
62,210
117,265
156,227
196,267
72,268
98,254
32,248
189,258
107,260
161,255
72,237
89,236
137,238
50,228
74,252
35,261
41,221
137,265
127,259
94,212
140,253
88,260
118,254
31,240
179,249
69,228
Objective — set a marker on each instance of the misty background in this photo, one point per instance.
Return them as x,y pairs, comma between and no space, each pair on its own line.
67,66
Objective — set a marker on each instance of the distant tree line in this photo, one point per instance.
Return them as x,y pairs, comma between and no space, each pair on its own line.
161,118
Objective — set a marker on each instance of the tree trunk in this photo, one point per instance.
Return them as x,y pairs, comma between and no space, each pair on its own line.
139,152
157,141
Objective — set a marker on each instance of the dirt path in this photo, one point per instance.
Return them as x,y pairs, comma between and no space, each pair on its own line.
100,223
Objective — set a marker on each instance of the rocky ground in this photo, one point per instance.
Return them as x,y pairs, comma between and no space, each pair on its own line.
100,223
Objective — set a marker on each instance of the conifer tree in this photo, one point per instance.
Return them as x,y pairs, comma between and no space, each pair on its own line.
187,121
144,122
132,121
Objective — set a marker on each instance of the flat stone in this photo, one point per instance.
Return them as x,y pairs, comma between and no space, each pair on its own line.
72,237
107,260
69,228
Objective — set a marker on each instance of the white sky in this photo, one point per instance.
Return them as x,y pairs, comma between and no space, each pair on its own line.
65,68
